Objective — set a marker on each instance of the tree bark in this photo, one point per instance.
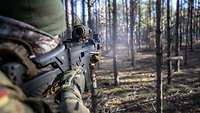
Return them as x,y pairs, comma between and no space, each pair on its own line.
181,23
198,13
127,28
188,26
149,24
106,10
72,12
158,59
169,63
139,24
116,78
68,17
191,26
110,21
177,46
83,12
132,25
90,16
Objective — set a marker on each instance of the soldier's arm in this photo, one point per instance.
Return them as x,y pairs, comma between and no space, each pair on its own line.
71,95
73,103
11,98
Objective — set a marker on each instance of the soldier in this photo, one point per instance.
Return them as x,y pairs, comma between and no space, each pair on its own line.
18,43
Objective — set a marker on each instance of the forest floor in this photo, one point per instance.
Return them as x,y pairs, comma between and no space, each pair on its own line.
137,90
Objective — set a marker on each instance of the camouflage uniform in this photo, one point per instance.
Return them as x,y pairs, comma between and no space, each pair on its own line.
11,97
48,16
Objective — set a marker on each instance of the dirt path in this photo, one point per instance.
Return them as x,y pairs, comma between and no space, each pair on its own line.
136,93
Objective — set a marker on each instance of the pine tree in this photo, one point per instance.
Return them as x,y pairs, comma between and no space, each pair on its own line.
169,63
177,48
158,58
114,37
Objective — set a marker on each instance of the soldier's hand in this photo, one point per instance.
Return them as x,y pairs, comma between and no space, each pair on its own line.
75,78
95,58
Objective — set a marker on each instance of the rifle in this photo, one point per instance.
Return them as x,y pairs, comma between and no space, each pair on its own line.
69,54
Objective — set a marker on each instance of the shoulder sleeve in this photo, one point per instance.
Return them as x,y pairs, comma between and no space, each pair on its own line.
10,98
9,104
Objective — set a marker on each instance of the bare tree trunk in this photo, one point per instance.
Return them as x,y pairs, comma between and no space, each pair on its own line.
75,6
123,11
139,24
110,21
149,24
93,87
116,78
177,51
68,17
198,13
187,31
106,10
158,59
66,13
169,63
195,19
90,16
191,27
132,22
181,23
96,17
83,12
127,28
72,12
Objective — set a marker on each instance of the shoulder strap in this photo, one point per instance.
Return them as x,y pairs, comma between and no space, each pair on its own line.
16,52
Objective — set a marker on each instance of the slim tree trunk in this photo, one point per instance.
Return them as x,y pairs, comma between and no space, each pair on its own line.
139,24
72,12
198,21
96,16
90,21
110,21
149,24
191,26
116,78
66,14
93,87
132,22
169,63
83,12
198,13
68,17
163,15
127,27
158,59
187,31
177,51
123,11
181,23
90,24
106,10
75,6
195,19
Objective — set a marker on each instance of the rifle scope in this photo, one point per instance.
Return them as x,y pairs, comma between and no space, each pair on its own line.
81,32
